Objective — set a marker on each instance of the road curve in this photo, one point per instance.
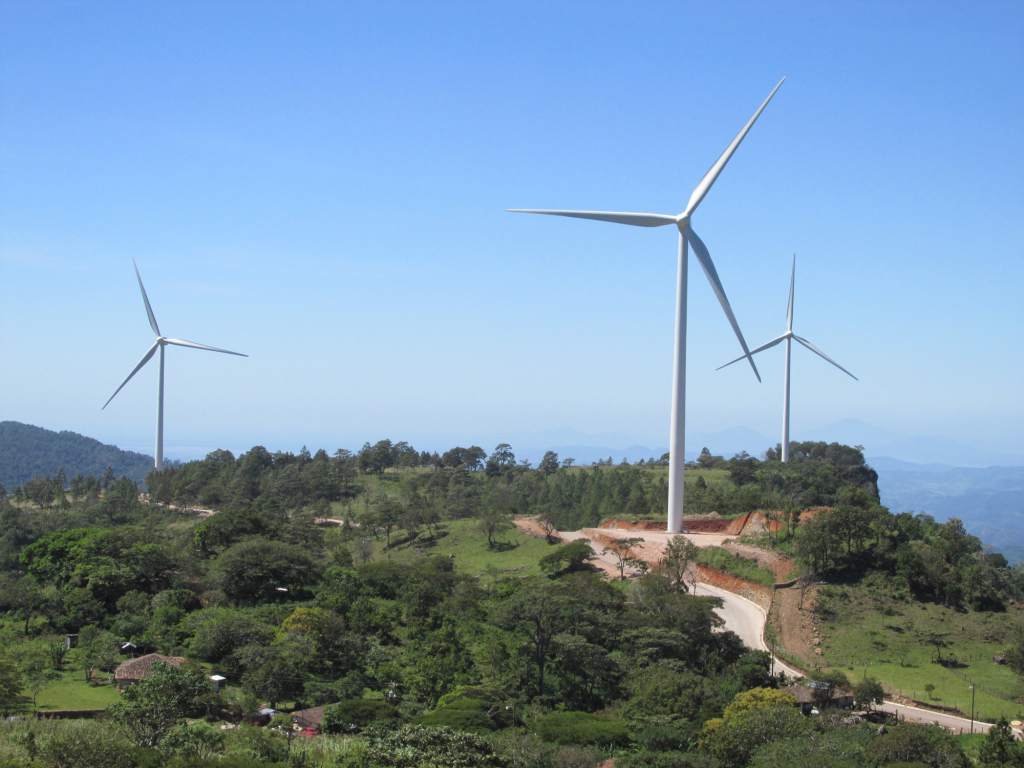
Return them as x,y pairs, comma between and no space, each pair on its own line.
747,619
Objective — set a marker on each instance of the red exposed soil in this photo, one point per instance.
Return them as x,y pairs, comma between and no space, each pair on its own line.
731,526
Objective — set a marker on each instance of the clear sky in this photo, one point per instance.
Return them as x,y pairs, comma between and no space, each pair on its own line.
323,185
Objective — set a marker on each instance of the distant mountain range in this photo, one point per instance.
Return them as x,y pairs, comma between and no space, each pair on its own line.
27,451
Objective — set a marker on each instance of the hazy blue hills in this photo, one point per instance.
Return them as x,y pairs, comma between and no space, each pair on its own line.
990,500
27,451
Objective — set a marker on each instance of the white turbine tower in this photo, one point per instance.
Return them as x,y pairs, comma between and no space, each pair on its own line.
687,236
159,344
788,337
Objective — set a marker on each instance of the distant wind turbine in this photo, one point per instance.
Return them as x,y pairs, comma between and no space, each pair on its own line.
788,337
687,236
159,344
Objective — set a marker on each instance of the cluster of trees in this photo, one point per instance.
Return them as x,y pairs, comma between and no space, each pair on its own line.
465,481
937,562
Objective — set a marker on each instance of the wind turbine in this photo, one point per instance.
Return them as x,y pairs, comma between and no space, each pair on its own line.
687,236
161,342
788,337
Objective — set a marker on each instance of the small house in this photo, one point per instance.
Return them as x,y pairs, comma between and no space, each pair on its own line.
135,670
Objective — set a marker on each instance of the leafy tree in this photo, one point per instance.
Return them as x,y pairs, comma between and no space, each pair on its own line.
680,555
97,649
149,709
734,739
924,744
567,557
868,692
549,463
11,683
623,552
1000,748
257,569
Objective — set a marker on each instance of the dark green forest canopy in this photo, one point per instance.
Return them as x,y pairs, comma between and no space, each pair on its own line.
27,452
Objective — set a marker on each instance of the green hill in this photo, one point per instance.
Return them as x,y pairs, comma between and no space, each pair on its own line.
27,451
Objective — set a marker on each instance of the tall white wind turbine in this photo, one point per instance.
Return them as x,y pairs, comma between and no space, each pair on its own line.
161,342
788,337
687,236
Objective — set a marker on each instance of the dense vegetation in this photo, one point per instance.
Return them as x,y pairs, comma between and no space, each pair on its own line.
421,660
27,452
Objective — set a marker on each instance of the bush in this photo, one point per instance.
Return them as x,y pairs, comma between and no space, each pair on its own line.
193,740
567,557
647,759
355,714
83,744
927,744
582,728
415,746
469,709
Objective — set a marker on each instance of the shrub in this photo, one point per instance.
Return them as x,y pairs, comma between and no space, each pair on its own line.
355,714
469,709
647,759
927,744
582,728
83,744
415,746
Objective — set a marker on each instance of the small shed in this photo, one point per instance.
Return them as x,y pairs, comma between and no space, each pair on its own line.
217,680
134,670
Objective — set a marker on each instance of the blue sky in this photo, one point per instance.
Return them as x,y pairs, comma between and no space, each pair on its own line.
323,186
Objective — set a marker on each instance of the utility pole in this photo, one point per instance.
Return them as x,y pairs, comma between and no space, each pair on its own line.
972,707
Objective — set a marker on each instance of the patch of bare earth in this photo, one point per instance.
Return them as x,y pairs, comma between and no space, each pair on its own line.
795,626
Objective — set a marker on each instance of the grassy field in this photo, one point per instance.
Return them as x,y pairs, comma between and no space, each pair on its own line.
70,691
515,552
872,632
743,567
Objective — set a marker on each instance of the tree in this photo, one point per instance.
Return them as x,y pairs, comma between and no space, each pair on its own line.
547,524
149,709
97,649
36,670
868,692
255,569
501,461
549,464
675,565
1000,749
566,558
11,683
622,551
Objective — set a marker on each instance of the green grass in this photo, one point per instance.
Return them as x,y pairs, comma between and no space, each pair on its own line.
70,691
873,632
743,567
516,553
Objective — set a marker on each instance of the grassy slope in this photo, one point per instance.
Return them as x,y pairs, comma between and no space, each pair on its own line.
516,554
875,633
743,567
70,691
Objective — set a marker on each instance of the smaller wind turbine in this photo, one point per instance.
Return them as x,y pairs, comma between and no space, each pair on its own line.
159,344
788,337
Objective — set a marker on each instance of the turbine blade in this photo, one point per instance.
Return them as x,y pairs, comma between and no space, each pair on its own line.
142,362
634,219
709,178
704,257
197,345
823,356
792,284
145,299
762,348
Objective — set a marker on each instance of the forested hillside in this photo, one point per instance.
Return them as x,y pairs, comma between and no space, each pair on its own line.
27,452
390,587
